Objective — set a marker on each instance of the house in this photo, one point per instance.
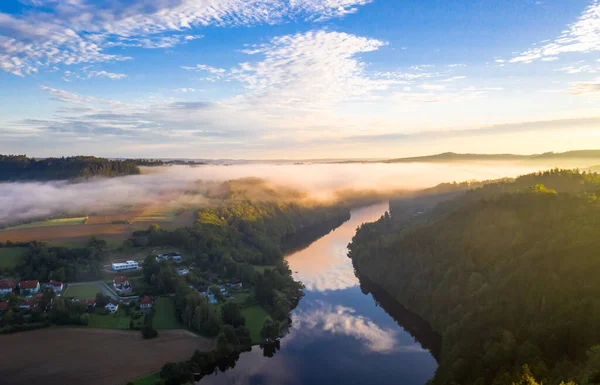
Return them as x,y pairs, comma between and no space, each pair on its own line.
202,290
91,303
56,286
7,286
4,307
27,304
121,283
112,306
32,286
182,271
146,303
236,284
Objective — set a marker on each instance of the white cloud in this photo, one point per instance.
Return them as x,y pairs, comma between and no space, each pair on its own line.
78,31
581,36
110,75
184,90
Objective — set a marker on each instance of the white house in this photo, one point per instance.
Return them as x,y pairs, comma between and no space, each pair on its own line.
112,307
7,287
121,284
32,286
56,286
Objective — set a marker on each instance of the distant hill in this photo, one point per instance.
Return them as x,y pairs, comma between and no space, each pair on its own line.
20,167
454,157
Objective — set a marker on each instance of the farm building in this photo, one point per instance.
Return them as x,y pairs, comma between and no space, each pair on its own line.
7,286
128,265
175,257
32,286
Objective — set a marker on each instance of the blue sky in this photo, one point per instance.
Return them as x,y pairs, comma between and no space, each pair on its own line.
298,79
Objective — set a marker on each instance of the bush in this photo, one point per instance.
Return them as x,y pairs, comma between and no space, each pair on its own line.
149,332
23,328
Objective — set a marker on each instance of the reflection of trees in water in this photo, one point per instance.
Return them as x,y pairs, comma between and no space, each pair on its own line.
418,328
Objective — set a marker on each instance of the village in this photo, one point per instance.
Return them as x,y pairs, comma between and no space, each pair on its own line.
108,297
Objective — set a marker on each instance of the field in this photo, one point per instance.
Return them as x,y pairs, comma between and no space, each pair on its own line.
91,357
52,222
164,315
156,214
146,380
67,233
239,297
10,256
117,321
255,315
86,291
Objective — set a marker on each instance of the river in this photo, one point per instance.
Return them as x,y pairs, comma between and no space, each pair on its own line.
339,335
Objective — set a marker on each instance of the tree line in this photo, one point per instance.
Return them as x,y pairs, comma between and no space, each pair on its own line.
21,167
505,273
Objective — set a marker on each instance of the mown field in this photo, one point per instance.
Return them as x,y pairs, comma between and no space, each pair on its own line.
91,357
82,292
150,379
10,256
255,315
164,314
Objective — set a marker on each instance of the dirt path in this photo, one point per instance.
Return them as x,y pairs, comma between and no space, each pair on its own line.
90,356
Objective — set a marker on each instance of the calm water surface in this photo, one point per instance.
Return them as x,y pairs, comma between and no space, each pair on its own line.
339,335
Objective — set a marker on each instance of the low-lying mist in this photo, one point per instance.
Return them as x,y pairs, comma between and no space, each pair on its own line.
181,186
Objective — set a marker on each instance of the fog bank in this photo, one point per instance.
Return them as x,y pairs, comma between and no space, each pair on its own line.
20,201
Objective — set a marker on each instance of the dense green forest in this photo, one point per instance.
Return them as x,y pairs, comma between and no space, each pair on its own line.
20,167
506,273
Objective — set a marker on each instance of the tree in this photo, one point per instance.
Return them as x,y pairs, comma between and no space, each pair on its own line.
216,291
148,332
270,329
232,315
85,319
101,300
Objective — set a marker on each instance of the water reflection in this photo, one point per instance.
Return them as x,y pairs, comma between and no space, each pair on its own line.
324,265
338,333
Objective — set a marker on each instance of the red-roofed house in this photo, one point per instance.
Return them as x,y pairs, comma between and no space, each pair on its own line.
146,303
121,283
7,286
3,306
56,286
32,286
27,304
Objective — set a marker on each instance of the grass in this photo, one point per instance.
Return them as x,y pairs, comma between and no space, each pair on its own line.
52,222
118,321
239,297
261,269
255,315
164,314
149,379
87,291
10,256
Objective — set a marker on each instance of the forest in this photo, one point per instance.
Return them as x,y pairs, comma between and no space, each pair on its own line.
20,167
504,272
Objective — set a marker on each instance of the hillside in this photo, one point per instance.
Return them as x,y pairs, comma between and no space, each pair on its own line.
20,167
505,273
454,157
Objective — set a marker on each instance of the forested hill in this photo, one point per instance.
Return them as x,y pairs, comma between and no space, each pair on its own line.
507,273
20,167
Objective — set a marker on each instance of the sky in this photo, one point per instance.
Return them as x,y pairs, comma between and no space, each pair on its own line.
298,79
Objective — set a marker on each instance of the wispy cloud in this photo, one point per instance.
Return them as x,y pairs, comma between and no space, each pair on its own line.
73,32
581,36
110,75
583,88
